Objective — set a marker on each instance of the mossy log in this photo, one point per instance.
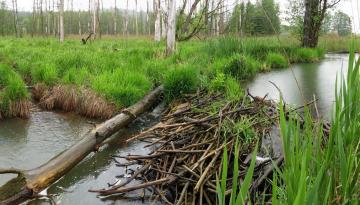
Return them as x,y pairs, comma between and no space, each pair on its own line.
31,182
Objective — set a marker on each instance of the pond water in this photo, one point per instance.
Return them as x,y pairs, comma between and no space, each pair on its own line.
315,79
28,143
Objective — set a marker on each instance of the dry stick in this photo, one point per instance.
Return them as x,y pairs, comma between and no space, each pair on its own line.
174,174
135,187
182,195
182,151
267,172
11,171
139,171
202,177
139,157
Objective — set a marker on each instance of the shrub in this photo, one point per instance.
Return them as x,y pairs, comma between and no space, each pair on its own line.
46,73
122,86
180,81
76,76
306,55
242,67
233,89
276,60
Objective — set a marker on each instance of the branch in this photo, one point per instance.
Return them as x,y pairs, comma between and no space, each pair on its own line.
11,171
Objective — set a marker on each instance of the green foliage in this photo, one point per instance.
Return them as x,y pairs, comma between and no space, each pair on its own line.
242,67
239,192
12,87
276,60
180,80
77,76
307,55
342,23
122,86
321,169
46,73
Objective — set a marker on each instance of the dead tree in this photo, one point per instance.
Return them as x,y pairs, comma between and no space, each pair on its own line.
16,23
171,30
61,21
157,20
29,183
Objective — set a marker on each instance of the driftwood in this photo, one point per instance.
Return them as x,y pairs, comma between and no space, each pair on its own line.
29,183
85,40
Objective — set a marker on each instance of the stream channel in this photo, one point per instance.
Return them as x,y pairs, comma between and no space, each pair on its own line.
26,144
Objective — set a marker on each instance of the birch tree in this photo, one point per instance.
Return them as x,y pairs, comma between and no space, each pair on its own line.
136,19
126,24
16,23
171,28
115,18
61,22
157,20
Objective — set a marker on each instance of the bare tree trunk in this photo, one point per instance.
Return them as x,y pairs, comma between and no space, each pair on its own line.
164,20
89,17
95,17
16,23
171,30
157,20
33,19
217,20
41,17
136,18
126,24
61,22
115,19
54,20
79,23
147,17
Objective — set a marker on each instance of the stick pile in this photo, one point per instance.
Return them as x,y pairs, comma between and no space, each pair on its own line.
188,146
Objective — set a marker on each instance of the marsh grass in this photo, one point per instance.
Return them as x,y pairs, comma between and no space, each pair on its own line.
322,169
276,60
180,81
14,97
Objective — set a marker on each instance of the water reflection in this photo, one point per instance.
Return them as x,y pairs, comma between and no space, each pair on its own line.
313,79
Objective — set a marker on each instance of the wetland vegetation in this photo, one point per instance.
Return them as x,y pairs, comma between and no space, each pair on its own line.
207,147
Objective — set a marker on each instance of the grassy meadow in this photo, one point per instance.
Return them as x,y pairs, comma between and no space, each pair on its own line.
100,78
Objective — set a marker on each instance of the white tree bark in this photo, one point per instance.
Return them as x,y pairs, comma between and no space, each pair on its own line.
171,28
164,20
80,31
126,24
115,19
61,22
157,20
16,23
136,19
94,16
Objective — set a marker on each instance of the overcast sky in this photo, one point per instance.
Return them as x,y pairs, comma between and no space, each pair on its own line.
351,7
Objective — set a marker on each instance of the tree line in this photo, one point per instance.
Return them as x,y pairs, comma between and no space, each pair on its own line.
175,22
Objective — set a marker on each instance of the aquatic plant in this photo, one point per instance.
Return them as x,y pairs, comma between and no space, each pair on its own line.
276,60
180,80
242,67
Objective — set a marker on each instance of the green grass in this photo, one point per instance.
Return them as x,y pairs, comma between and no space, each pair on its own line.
180,81
242,67
96,66
12,88
276,60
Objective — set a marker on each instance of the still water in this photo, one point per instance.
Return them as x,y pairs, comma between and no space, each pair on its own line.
29,143
302,82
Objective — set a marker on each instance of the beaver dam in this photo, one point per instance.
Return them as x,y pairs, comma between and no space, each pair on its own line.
188,148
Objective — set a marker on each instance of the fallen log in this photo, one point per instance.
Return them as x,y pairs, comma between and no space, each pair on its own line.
29,183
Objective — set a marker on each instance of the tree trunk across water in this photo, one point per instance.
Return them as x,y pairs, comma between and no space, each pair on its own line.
31,182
